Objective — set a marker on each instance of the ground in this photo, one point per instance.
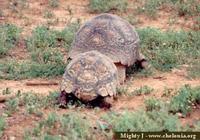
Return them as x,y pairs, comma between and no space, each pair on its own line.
69,11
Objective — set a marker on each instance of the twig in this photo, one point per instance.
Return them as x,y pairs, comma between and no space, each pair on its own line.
41,84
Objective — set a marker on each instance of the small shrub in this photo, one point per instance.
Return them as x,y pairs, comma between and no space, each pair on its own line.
151,7
66,36
188,7
197,126
194,69
144,90
68,126
51,120
183,101
48,56
9,35
42,37
54,3
152,104
76,125
122,90
142,121
31,99
101,6
2,125
48,14
12,106
167,92
196,24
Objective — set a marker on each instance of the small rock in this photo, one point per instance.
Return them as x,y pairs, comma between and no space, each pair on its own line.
12,138
180,115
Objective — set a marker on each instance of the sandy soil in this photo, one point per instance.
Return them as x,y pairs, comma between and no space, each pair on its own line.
71,10
174,80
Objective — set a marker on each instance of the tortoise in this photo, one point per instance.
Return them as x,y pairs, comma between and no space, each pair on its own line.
92,78
113,37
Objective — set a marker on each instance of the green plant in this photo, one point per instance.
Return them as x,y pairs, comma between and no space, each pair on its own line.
184,99
48,55
54,3
66,36
196,24
100,6
167,50
151,7
42,37
167,92
195,95
2,125
48,14
197,126
9,35
30,69
67,126
51,120
122,90
31,99
188,7
152,104
77,125
144,90
194,69
142,121
12,106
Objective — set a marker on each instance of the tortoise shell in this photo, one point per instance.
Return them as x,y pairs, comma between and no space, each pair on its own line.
110,35
89,75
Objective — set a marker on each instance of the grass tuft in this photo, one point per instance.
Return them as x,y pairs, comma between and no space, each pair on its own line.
9,35
185,98
143,121
101,6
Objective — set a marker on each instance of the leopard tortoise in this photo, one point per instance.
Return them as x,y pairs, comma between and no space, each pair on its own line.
113,37
88,77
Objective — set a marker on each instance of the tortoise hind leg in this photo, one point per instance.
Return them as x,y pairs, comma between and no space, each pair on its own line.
121,72
107,102
142,62
102,102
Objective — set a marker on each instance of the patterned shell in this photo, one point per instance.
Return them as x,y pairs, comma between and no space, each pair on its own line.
110,35
90,74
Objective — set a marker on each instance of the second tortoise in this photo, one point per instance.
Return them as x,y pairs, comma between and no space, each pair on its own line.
111,36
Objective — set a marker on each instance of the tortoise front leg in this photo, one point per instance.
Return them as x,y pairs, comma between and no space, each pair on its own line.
63,99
